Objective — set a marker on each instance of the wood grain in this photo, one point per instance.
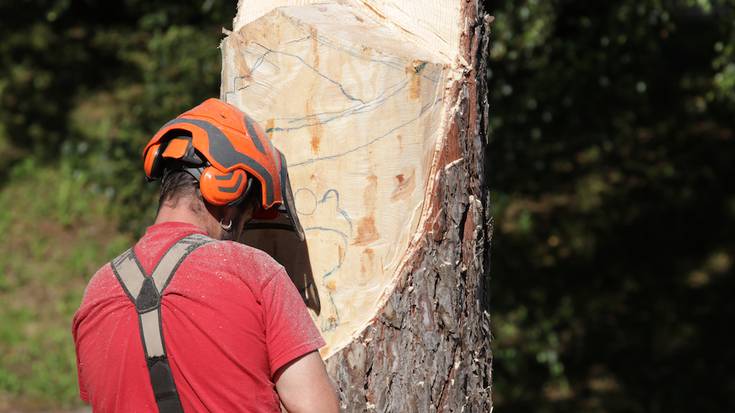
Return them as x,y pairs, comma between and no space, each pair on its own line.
432,24
358,116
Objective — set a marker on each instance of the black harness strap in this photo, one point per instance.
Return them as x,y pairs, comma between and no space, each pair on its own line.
145,292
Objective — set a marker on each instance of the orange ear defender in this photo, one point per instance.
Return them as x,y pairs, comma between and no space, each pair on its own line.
152,163
227,152
223,188
217,188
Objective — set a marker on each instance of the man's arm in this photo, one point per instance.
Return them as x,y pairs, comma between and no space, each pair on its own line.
304,386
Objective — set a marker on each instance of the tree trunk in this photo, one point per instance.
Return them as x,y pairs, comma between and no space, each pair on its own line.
380,108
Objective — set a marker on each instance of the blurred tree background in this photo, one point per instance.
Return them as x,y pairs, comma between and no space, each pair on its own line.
611,166
83,85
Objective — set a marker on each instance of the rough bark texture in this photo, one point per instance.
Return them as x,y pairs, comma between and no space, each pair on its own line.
429,349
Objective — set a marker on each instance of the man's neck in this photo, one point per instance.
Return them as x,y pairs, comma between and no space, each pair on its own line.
182,213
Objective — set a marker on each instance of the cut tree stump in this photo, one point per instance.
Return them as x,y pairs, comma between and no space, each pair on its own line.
380,109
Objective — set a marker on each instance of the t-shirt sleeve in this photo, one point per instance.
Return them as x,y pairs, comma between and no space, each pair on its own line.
289,330
82,389
83,395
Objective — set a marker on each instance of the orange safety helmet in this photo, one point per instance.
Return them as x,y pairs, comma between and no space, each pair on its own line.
224,149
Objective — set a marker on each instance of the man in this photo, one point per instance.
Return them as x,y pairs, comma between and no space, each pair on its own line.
188,319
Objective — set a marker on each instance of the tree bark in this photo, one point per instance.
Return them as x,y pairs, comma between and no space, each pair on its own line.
426,345
429,349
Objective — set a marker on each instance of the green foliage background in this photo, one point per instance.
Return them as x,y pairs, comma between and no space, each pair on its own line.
610,164
83,85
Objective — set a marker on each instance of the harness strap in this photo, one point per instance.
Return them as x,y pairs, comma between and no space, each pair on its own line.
145,292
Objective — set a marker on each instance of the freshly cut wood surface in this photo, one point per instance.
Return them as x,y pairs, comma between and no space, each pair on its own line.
432,24
357,110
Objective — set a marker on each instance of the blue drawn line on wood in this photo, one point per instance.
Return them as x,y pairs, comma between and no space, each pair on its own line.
345,243
329,324
327,42
330,193
372,141
299,40
397,87
359,109
333,192
363,107
313,195
317,71
332,324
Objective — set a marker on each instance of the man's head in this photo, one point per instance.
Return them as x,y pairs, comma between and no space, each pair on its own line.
181,200
216,164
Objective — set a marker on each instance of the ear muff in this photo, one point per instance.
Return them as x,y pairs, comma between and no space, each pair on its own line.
153,162
222,188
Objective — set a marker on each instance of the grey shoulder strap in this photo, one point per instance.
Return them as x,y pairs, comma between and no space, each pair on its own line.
146,292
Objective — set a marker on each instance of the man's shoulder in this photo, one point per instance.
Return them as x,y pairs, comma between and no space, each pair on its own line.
100,288
242,251
99,280
250,263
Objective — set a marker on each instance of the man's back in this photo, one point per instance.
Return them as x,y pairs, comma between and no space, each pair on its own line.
231,319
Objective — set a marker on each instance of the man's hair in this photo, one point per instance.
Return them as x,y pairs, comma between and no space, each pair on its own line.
176,185
179,184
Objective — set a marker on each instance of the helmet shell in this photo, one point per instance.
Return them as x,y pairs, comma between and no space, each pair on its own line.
229,141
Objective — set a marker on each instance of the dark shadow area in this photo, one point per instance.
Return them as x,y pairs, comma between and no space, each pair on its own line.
612,156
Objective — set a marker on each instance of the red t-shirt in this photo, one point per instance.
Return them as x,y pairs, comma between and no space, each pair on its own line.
231,318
